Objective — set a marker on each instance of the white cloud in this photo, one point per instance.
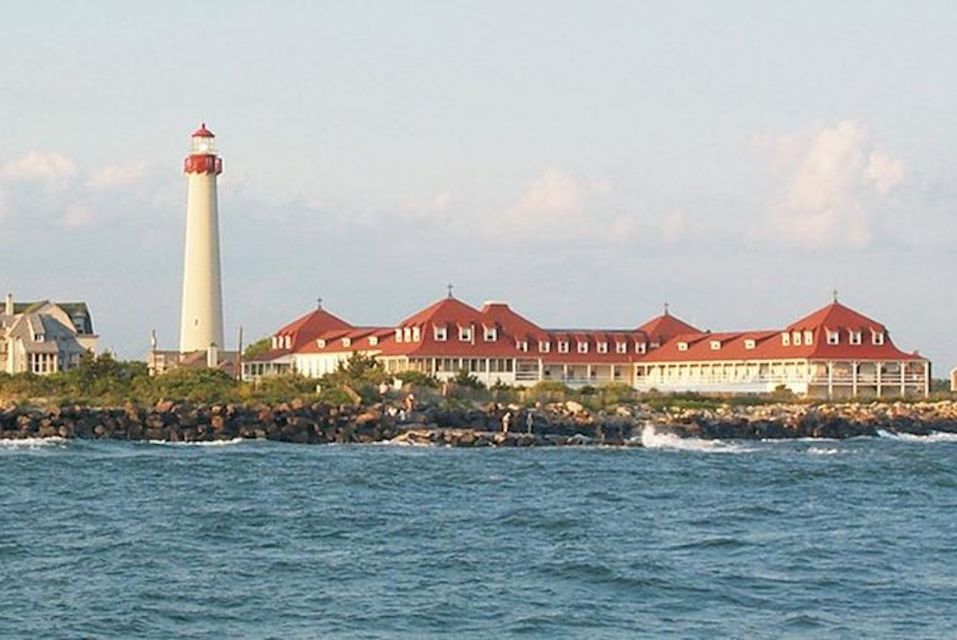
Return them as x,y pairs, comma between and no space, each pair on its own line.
48,167
116,176
834,181
76,216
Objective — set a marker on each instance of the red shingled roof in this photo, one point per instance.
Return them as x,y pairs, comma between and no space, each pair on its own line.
666,326
310,326
202,132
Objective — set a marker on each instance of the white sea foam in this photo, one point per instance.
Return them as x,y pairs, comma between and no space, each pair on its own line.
935,436
33,443
204,443
653,439
825,451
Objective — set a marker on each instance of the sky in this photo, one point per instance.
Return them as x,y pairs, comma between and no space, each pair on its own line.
585,161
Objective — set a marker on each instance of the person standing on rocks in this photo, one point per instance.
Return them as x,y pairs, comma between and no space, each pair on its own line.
529,422
506,420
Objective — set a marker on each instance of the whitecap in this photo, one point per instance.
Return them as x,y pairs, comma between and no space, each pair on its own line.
198,443
33,443
934,436
652,439
825,451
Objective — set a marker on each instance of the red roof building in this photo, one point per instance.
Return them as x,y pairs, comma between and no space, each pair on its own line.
834,352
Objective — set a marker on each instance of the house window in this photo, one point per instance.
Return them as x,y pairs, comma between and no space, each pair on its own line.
398,335
655,345
796,338
602,347
682,346
491,334
465,334
877,337
786,339
321,342
523,345
621,347
407,334
833,337
562,346
715,345
544,346
808,337
347,342
749,344
415,334
641,347
373,340
440,333
582,347
855,337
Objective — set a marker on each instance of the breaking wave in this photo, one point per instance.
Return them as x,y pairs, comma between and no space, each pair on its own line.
934,436
32,443
198,443
653,439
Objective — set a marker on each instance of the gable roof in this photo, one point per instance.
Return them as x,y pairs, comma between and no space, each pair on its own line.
835,316
446,310
312,325
666,326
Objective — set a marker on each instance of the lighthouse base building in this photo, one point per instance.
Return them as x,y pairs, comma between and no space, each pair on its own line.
834,352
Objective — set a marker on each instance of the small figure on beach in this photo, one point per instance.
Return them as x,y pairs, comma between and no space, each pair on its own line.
410,403
529,422
506,420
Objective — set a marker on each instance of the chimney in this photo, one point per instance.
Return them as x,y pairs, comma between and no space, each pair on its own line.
8,306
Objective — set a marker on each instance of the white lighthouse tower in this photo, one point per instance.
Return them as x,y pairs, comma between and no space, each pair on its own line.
201,324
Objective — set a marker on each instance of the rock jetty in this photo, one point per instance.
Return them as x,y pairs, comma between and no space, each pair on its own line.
565,423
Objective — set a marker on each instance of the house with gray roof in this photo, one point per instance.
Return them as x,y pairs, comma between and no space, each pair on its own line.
44,337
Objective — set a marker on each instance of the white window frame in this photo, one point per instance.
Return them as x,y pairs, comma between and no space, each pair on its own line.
786,339
621,347
321,342
749,344
808,337
715,345
398,335
602,347
833,337
682,346
440,333
490,334
373,340
856,338
465,334
347,342
563,346
522,345
416,336
796,338
582,347
544,346
877,338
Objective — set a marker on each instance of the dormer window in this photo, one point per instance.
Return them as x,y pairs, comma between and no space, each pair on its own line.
833,337
407,334
398,335
655,345
621,347
682,346
275,342
347,342
563,346
749,344
321,343
877,338
855,337
373,340
38,337
808,337
440,334
544,346
715,345
416,336
522,345
490,334
602,347
465,334
582,347
796,338
786,339
641,347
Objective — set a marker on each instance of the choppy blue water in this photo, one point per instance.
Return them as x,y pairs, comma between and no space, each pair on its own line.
686,539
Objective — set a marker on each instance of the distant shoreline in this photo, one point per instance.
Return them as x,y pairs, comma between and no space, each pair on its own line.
555,424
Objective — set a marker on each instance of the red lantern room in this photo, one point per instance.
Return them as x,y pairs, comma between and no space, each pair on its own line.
203,158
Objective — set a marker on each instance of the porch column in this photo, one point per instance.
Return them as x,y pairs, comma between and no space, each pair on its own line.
854,379
541,370
903,367
880,367
611,373
588,372
488,372
830,380
926,378
564,373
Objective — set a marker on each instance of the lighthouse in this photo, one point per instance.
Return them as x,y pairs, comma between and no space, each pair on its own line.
201,325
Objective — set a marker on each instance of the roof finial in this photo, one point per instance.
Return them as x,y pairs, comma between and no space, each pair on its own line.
318,303
835,296
450,286
667,306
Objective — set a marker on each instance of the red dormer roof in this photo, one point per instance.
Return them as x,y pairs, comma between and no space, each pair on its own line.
446,310
836,316
665,327
311,326
499,313
202,132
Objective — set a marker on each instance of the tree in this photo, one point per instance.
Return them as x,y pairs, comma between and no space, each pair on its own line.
259,347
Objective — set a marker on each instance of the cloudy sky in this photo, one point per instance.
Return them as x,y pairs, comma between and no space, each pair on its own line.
587,161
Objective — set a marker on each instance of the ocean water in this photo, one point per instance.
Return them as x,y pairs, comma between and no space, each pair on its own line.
690,539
